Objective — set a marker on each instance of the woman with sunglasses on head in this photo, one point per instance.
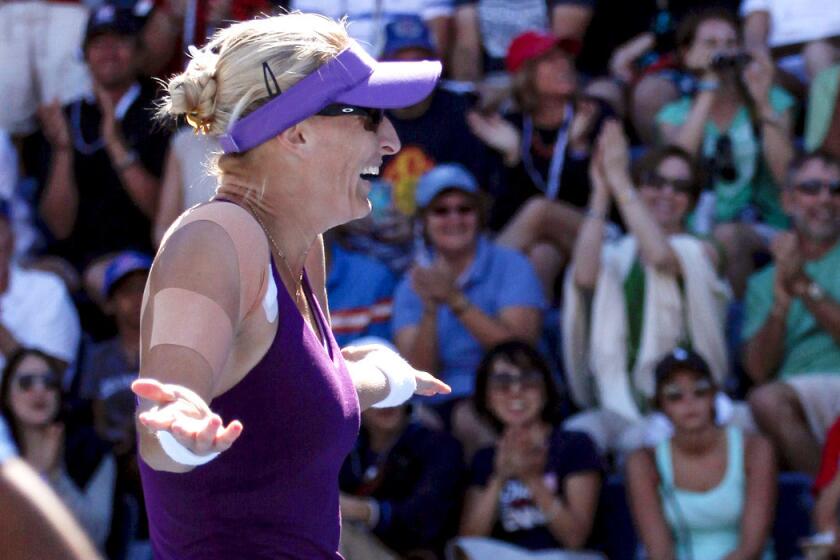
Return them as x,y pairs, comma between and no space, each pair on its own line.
72,459
709,491
537,488
652,289
465,294
248,404
742,125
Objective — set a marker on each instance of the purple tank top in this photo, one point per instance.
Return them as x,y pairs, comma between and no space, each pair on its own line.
274,493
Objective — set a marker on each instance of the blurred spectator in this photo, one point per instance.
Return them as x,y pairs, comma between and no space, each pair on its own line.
547,145
37,311
71,458
38,59
741,125
105,153
653,289
708,491
431,132
175,25
827,488
361,292
538,487
484,30
369,18
792,325
465,294
188,177
804,35
401,485
33,522
822,125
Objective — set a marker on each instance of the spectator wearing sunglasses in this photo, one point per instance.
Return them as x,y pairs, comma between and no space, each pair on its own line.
708,491
75,462
792,326
537,487
465,294
742,125
628,302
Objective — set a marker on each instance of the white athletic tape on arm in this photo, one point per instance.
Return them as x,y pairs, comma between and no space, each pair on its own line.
180,454
398,372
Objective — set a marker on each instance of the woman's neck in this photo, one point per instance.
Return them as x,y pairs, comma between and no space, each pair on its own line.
31,436
697,442
551,112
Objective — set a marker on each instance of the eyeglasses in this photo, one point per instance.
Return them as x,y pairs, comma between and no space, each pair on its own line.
657,181
26,381
814,187
673,393
503,381
372,117
460,209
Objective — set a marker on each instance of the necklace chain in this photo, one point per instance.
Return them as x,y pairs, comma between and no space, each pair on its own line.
297,279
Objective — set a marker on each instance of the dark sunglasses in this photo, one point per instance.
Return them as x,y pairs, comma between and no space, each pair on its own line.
371,117
461,210
673,393
26,381
815,186
657,181
503,381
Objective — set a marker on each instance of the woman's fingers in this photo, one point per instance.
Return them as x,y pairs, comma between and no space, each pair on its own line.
225,437
428,385
153,390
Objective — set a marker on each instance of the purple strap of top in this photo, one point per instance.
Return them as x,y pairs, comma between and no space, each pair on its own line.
308,96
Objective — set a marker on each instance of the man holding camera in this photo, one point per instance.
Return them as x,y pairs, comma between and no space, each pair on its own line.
741,125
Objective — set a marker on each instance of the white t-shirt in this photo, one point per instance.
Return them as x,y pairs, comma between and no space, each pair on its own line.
367,18
37,309
797,21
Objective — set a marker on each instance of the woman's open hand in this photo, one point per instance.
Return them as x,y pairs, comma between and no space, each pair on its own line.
186,416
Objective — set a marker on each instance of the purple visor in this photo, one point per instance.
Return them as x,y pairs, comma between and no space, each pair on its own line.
352,77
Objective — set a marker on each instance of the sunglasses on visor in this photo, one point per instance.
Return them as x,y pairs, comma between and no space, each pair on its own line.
371,117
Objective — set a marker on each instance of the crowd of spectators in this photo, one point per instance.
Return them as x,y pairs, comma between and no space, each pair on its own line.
613,229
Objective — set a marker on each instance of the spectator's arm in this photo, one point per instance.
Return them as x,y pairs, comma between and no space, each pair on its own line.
171,197
570,20
570,519
689,136
481,508
35,524
763,353
418,343
760,499
587,252
466,49
648,515
825,510
519,322
139,183
756,29
60,199
441,29
776,141
826,311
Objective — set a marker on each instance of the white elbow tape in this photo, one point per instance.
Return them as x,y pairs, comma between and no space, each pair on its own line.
180,454
398,372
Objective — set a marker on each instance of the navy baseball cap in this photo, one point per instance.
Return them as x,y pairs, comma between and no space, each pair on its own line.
407,32
110,18
441,178
121,266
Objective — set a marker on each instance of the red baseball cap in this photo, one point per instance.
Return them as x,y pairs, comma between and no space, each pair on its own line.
532,44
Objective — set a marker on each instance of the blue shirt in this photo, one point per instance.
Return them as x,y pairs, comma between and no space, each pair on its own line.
7,446
498,278
361,291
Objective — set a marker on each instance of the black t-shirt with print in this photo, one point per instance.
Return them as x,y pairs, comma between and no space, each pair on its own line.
519,520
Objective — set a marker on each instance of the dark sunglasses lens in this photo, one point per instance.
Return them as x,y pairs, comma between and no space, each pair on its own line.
26,382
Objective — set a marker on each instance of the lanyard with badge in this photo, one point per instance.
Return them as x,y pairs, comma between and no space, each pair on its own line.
551,187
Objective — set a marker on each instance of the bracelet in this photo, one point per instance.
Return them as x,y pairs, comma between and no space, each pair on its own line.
600,216
460,305
130,159
626,196
180,454
555,512
707,85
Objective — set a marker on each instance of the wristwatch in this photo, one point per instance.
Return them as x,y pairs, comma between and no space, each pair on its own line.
459,304
814,291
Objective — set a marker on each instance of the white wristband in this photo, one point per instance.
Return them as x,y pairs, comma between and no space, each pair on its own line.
398,372
180,454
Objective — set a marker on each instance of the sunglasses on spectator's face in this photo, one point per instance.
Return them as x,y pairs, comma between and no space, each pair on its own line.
503,381
674,393
813,187
26,381
657,181
444,210
371,117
